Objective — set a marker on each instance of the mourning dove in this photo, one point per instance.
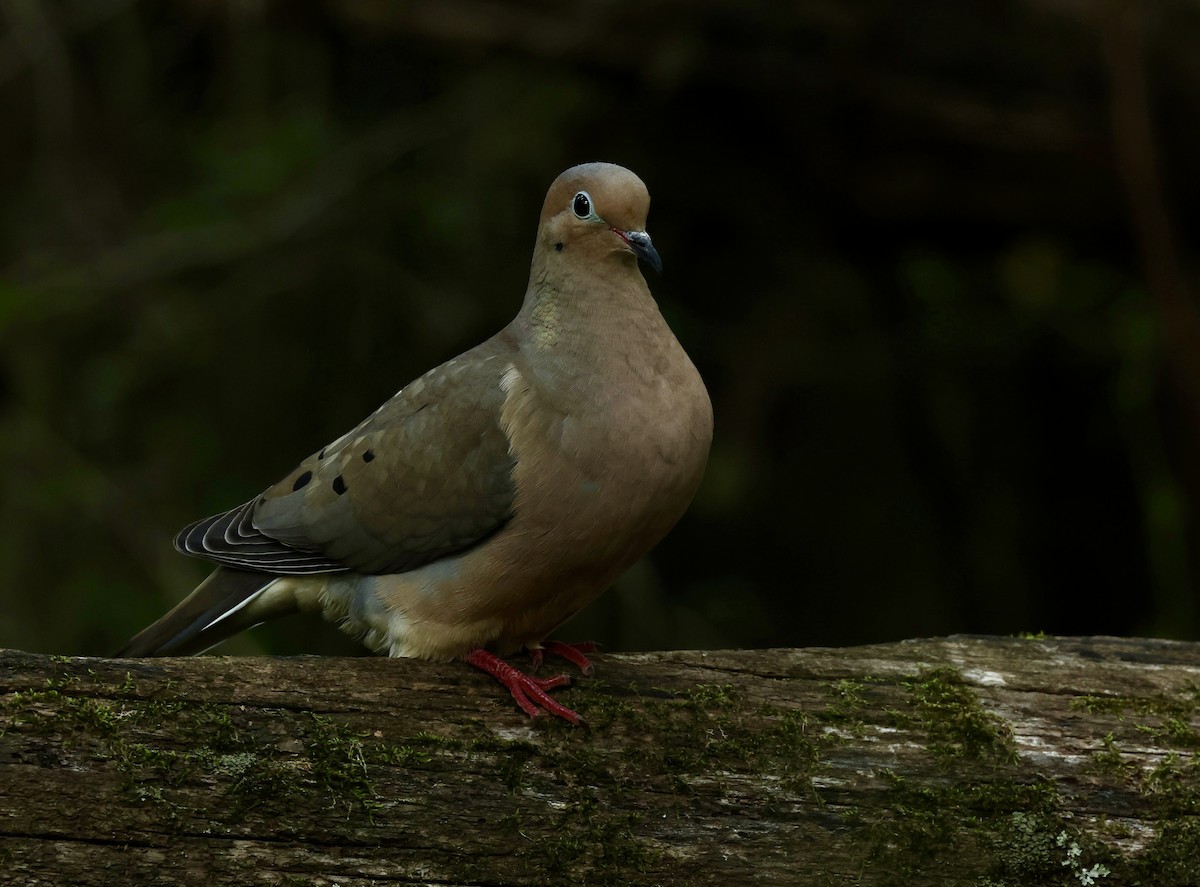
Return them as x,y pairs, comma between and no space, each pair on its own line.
497,495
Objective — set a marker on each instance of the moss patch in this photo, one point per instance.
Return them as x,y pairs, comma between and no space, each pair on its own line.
325,759
1016,831
957,725
1172,859
1172,785
1165,720
1040,848
592,845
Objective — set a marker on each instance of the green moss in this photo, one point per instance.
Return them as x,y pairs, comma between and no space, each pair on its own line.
426,739
1110,762
591,847
1170,789
604,705
586,839
51,712
401,755
1101,705
337,758
1173,785
916,834
1039,849
844,711
847,694
581,765
1015,832
702,735
513,762
1165,719
1172,859
256,783
957,725
92,715
707,697
1019,832
334,759
692,739
1173,730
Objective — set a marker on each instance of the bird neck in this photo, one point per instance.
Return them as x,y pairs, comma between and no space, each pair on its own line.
580,334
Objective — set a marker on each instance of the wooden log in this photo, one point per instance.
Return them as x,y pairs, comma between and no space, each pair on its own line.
965,760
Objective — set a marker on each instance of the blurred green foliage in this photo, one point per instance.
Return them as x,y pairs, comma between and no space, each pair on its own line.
895,244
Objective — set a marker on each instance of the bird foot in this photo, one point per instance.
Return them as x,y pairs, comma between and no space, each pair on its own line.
576,654
527,691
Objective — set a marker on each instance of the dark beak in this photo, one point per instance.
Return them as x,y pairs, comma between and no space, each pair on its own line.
639,242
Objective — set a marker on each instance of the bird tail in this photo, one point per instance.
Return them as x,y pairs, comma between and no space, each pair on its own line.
219,608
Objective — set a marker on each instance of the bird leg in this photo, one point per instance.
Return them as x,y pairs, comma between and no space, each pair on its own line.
576,654
527,691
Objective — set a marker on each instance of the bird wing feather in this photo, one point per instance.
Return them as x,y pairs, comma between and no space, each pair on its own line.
428,474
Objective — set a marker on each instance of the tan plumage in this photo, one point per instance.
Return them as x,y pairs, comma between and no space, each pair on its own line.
495,496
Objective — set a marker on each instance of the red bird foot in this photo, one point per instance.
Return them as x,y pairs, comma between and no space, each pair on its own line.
576,654
527,691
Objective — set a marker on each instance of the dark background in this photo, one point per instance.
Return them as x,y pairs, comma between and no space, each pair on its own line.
935,261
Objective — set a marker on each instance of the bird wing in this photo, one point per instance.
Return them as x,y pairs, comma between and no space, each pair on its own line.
428,474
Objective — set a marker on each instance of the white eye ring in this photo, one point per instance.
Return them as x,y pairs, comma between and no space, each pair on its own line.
581,205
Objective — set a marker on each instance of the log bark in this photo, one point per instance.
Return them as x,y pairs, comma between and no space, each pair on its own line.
964,760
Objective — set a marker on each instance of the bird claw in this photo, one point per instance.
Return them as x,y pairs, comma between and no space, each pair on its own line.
575,653
527,691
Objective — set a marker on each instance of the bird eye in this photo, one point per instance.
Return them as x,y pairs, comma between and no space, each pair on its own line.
582,205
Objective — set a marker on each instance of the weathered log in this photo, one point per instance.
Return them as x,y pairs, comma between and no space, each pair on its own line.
990,761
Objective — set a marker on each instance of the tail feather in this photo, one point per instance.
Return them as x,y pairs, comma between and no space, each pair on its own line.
219,608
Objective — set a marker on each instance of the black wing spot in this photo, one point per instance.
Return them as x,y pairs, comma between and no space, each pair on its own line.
368,455
339,485
302,481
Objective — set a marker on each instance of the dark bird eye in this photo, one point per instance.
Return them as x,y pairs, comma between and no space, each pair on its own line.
582,205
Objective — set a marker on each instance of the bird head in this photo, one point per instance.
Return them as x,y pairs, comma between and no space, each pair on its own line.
598,211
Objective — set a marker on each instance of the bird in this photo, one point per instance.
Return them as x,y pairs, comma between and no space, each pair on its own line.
494,497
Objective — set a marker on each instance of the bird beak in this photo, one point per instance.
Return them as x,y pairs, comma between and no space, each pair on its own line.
639,242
